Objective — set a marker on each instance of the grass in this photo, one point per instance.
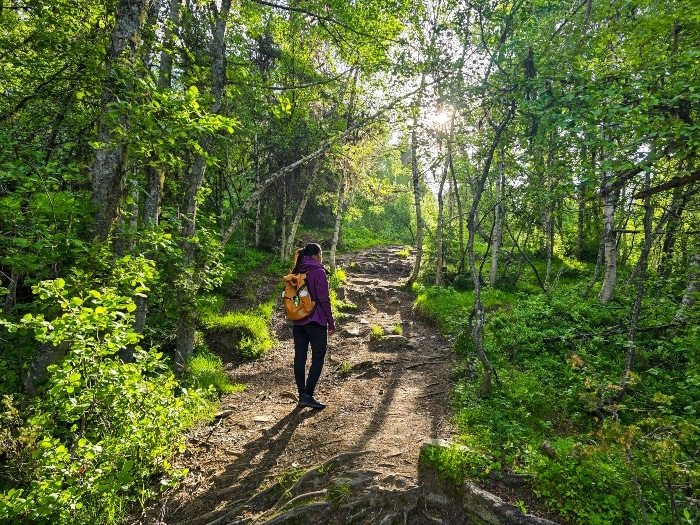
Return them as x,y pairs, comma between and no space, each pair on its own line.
250,330
205,371
565,393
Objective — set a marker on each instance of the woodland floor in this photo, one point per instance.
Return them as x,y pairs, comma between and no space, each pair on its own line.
265,460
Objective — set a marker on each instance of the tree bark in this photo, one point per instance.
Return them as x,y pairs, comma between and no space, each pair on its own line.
641,283
258,202
692,288
478,331
343,200
11,297
607,290
300,211
416,178
108,170
497,234
460,216
673,223
440,220
187,290
155,175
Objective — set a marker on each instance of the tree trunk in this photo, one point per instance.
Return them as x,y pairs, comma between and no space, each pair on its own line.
108,170
11,297
549,242
498,218
342,206
187,289
607,290
549,214
692,288
438,233
283,194
580,220
300,211
415,174
460,217
675,214
155,175
46,355
641,282
478,331
258,203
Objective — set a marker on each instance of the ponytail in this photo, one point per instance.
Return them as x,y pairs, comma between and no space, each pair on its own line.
309,250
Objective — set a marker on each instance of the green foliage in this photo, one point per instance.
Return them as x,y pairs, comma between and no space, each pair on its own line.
450,308
565,392
205,370
241,260
345,369
246,333
377,333
462,283
102,428
457,462
382,211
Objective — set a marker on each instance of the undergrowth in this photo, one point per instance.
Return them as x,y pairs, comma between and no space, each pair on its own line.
555,412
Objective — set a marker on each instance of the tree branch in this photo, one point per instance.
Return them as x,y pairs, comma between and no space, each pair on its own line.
673,183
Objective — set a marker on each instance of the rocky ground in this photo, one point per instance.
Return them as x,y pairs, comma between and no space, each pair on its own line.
265,460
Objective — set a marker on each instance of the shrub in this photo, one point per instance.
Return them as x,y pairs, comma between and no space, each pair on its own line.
462,283
89,445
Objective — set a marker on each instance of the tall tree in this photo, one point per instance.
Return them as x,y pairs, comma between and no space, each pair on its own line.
109,166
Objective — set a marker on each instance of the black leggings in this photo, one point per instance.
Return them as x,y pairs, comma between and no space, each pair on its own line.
317,336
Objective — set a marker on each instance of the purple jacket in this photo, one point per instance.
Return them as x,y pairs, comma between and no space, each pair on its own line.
320,293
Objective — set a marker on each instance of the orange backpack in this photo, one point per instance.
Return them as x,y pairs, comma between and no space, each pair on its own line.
298,303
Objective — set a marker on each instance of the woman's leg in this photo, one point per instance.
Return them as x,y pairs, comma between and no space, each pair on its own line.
318,337
301,348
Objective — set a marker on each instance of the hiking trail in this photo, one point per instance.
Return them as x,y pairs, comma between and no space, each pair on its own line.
264,460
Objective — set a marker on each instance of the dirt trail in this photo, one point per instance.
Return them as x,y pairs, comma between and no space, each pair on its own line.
265,460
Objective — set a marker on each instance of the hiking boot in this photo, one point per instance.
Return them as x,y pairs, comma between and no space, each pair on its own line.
309,401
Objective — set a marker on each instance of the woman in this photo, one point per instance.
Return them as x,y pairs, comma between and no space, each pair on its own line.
316,328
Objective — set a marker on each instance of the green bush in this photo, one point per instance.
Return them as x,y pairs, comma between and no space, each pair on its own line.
90,445
462,283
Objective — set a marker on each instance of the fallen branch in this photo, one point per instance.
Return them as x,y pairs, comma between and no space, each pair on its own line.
613,330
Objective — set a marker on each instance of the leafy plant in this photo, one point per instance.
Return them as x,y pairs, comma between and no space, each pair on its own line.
377,332
102,428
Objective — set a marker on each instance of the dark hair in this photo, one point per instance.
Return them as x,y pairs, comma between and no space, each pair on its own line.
309,250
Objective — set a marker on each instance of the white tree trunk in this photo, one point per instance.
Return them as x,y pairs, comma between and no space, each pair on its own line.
108,169
607,290
342,206
438,240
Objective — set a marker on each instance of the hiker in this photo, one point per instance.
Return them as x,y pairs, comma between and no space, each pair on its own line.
314,329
